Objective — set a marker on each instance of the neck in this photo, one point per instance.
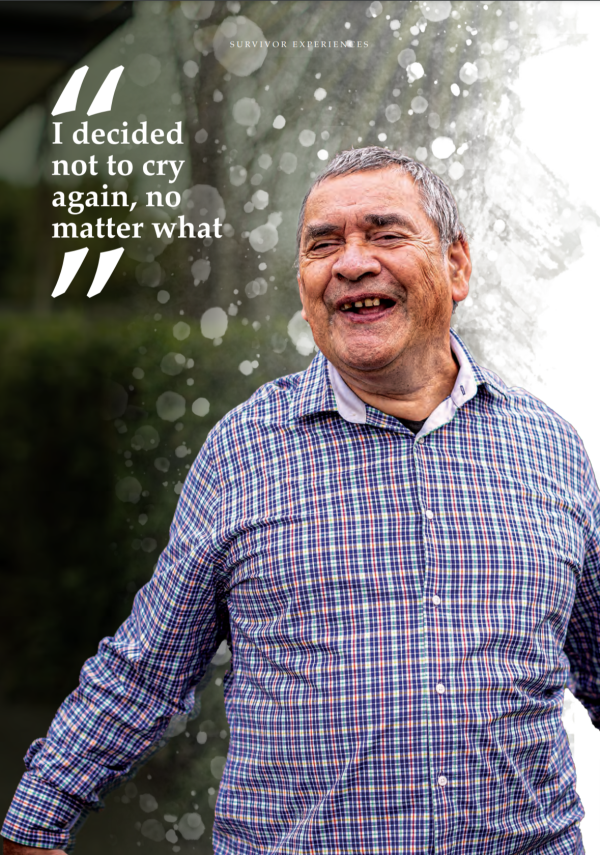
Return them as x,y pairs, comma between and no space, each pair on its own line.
411,387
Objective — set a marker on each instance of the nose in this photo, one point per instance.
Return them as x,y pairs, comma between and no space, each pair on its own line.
355,261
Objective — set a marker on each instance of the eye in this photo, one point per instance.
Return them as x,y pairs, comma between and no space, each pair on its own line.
324,245
388,237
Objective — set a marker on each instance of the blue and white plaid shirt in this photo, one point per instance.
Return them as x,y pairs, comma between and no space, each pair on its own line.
402,612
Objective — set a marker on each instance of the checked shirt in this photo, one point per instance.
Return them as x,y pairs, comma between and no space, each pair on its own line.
404,614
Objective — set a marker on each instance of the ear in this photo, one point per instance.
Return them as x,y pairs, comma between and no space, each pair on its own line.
459,269
301,289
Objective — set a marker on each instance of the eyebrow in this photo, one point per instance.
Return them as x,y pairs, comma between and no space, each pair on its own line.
383,220
321,230
379,220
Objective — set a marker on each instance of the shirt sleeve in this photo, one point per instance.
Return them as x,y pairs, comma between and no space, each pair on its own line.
582,644
137,681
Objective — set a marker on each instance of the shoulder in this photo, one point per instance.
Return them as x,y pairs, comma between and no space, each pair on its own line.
532,421
268,407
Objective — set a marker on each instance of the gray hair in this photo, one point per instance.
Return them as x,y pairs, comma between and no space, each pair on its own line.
438,202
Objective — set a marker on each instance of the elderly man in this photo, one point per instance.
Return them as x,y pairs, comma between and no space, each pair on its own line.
404,555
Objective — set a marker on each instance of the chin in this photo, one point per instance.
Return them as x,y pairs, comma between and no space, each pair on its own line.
364,358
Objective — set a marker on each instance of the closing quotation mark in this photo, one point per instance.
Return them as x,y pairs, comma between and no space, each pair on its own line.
73,261
102,103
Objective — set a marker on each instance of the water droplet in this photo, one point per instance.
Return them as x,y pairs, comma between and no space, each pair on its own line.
191,68
415,71
435,10
201,270
406,57
153,830
200,407
128,490
197,10
442,147
144,69
181,330
172,364
307,137
393,112
301,334
260,199
468,73
191,826
246,112
170,406
456,171
213,323
239,59
288,162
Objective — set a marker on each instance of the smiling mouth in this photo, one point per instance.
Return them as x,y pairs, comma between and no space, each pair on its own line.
367,306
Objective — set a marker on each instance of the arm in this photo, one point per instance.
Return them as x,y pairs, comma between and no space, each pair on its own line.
138,680
582,644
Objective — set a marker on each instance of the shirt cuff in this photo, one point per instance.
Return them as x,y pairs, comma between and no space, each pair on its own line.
40,815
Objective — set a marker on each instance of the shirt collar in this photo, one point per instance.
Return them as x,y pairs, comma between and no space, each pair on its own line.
322,388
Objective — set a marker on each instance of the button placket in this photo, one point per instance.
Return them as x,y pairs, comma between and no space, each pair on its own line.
431,618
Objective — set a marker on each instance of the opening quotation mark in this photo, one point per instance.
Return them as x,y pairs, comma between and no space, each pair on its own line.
102,103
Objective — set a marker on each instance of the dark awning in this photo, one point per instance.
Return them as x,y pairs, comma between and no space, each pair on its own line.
41,41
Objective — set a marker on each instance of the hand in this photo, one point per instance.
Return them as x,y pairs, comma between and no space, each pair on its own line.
12,848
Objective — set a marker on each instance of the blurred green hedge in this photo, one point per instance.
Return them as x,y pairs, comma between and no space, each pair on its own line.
90,472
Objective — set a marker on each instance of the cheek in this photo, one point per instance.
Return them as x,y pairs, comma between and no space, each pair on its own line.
315,279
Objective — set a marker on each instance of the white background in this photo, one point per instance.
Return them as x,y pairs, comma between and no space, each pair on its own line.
561,125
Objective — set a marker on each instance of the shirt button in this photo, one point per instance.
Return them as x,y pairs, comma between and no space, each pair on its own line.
436,600
429,514
440,688
442,780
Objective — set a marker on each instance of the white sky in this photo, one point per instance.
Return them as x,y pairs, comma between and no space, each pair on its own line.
561,125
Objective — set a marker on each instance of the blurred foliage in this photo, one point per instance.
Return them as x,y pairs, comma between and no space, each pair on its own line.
73,554
17,263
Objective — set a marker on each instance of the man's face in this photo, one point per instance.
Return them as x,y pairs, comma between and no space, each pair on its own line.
373,281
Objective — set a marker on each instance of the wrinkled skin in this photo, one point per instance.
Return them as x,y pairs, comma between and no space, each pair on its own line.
398,357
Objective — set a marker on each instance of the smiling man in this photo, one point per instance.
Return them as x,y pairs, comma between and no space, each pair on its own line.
404,556
378,283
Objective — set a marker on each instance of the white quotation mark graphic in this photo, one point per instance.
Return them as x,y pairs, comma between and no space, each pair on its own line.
73,261
102,103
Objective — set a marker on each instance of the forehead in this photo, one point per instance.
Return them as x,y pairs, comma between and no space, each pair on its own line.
359,193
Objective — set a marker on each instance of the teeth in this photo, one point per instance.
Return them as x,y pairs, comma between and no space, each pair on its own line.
375,301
